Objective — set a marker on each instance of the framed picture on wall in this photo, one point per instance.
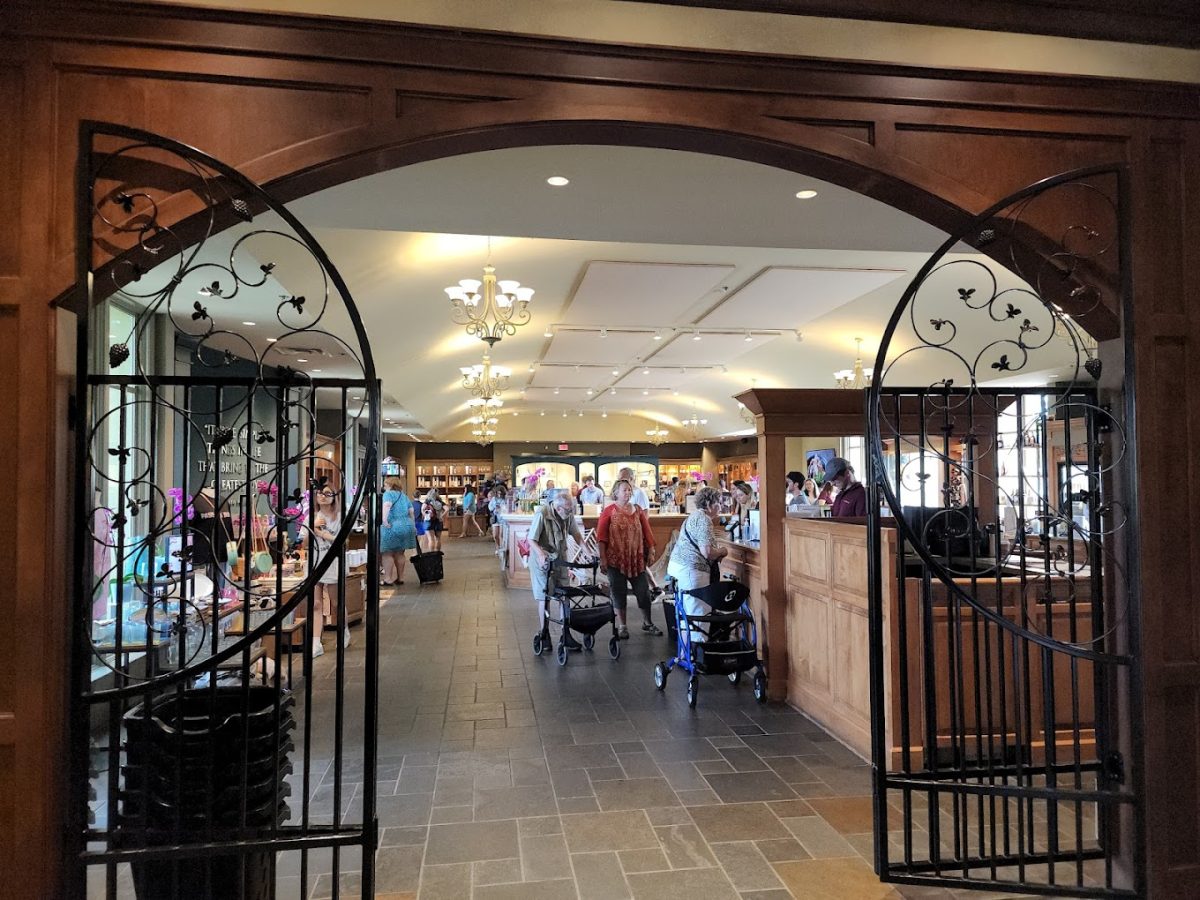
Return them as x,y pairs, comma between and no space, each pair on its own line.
815,462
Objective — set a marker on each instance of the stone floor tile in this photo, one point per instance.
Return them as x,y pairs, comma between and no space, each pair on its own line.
740,787
513,802
417,780
684,846
405,809
697,798
529,890
445,815
403,836
539,825
782,850
398,869
710,884
496,871
544,857
833,879
639,765
598,876
737,822
633,861
746,867
471,842
636,793
684,750
791,809
848,815
578,805
818,837
593,832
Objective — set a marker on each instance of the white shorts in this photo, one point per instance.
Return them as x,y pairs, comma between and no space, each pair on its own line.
688,579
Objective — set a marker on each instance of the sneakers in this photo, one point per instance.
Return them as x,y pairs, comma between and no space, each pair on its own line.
652,629
623,633
317,650
571,643
346,636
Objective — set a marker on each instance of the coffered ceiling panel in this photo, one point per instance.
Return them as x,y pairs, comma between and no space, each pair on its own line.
567,396
662,377
786,297
583,348
638,293
710,350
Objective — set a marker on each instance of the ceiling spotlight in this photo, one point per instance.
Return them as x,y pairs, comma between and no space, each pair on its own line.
532,366
646,371
316,370
564,413
748,338
616,373
724,370
249,323
604,414
581,414
695,335
805,195
675,392
272,340
542,413
612,391
590,392
549,332
603,332
556,390
301,360
799,336
558,181
658,335
645,393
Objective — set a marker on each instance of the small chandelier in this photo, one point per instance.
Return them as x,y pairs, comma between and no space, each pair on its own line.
483,434
490,309
657,436
483,379
856,378
694,424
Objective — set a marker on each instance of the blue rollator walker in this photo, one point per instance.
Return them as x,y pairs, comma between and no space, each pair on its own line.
585,608
728,642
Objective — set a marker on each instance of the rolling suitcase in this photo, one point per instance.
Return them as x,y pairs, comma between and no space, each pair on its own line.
428,566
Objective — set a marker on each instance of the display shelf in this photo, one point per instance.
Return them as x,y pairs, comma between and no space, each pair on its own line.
738,468
680,469
450,476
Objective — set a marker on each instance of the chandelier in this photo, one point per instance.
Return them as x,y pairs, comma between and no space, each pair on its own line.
856,378
693,424
483,379
657,436
490,309
483,434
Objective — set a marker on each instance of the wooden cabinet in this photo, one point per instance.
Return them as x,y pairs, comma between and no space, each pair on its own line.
681,469
450,476
738,468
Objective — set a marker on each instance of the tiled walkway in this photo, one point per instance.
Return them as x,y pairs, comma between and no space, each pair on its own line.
504,775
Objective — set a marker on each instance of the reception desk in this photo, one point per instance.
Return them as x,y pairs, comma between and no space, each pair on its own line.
829,650
516,529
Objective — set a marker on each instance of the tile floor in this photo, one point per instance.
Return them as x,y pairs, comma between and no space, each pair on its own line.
503,775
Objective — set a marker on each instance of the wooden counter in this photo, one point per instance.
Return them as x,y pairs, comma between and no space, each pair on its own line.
744,564
516,528
829,651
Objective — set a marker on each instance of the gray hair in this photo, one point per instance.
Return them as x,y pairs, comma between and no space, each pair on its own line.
554,493
707,497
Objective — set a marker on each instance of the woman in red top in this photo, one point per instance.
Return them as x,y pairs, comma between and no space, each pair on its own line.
626,548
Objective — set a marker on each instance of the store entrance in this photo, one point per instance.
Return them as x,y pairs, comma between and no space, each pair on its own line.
226,502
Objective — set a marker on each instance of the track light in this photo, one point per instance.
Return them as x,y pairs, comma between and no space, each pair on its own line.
695,335
616,372
549,332
748,338
603,332
658,335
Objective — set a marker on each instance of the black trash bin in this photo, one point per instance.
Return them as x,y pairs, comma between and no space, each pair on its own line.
206,764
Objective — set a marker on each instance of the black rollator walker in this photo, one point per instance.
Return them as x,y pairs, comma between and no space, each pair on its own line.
585,608
725,640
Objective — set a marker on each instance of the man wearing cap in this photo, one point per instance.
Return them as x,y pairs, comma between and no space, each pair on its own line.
851,499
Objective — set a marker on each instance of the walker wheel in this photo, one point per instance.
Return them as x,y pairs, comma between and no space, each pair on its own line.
589,641
693,689
614,648
735,677
660,676
563,656
537,644
760,687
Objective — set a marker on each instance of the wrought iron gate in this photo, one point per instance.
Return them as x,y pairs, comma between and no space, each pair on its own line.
227,421
1004,667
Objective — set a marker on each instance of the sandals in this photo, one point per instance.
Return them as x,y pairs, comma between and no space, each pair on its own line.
652,629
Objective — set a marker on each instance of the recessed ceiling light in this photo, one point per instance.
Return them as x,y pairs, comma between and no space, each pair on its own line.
272,340
249,323
558,181
645,393
805,195
564,413
556,390
301,360
581,414
542,413
604,415
675,392
317,370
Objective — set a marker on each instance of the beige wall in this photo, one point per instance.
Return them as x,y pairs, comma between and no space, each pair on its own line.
797,449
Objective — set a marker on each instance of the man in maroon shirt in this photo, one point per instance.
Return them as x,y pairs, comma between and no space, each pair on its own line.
851,499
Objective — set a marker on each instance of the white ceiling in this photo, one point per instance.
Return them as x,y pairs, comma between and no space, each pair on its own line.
640,239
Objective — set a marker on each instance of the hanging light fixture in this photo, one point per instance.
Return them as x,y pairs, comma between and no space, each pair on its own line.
490,309
657,436
856,378
483,379
693,424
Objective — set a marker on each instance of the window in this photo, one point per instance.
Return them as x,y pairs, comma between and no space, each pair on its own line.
853,450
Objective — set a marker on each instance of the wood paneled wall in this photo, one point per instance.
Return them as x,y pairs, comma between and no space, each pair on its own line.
306,103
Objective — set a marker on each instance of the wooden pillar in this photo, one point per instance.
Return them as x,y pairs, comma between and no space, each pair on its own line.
772,472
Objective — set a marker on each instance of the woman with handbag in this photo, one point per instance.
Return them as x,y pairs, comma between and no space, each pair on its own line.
695,559
626,548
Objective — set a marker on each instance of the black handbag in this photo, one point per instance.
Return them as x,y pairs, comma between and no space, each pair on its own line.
714,567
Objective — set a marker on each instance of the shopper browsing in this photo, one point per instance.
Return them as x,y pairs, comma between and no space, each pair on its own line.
851,497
